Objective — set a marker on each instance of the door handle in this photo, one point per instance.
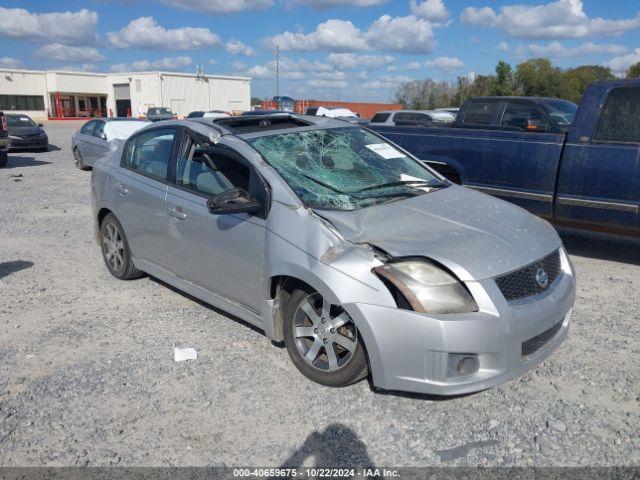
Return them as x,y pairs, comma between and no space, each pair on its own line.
177,213
122,189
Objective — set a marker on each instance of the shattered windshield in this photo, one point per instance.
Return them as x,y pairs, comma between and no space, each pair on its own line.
344,168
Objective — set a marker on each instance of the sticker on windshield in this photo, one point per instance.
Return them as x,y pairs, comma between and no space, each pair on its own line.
385,150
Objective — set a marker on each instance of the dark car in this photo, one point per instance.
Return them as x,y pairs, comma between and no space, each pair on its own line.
156,114
4,140
24,133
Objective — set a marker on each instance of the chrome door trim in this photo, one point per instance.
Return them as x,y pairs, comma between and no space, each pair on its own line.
579,202
542,197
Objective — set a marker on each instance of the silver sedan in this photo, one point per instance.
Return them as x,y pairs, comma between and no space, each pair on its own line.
340,244
92,141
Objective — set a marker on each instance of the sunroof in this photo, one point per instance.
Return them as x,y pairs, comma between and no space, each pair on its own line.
261,123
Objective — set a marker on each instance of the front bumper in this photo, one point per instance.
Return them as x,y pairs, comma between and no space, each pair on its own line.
410,351
27,143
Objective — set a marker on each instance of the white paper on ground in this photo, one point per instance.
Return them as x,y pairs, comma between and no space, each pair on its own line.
385,150
181,354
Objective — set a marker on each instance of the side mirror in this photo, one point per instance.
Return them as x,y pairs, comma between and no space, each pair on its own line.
235,200
40,125
103,136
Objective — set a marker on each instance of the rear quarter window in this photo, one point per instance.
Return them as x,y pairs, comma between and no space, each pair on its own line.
619,118
479,113
380,117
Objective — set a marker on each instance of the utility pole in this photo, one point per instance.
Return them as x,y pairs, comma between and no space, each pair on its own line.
277,71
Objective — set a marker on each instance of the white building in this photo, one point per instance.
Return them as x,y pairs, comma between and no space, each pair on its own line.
42,94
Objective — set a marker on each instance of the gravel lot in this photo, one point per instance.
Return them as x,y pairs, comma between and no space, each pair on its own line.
87,375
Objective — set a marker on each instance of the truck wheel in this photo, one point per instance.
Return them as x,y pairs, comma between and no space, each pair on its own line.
115,250
322,340
4,158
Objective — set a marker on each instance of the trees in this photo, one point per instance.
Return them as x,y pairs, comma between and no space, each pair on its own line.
634,71
575,80
536,77
502,84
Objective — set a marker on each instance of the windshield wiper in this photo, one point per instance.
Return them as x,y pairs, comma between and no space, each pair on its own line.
411,183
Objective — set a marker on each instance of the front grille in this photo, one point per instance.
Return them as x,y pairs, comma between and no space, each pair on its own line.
536,343
522,283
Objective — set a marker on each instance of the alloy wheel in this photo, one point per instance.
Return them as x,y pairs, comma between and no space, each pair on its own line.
113,247
325,335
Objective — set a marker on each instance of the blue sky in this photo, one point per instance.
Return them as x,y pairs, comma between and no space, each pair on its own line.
347,49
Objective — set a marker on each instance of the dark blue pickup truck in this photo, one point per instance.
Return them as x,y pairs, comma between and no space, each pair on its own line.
575,168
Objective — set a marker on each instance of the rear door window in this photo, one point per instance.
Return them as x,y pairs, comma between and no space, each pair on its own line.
149,153
99,130
523,116
479,113
88,128
403,117
619,118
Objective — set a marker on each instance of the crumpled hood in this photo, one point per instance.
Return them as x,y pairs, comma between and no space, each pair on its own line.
473,234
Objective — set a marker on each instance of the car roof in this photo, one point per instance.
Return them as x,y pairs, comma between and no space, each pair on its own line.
119,119
249,126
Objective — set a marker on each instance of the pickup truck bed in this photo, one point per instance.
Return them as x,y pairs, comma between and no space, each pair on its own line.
588,178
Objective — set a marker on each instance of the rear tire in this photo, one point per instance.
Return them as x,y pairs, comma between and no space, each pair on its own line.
322,340
77,158
4,158
115,250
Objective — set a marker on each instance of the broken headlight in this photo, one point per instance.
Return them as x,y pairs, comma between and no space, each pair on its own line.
427,287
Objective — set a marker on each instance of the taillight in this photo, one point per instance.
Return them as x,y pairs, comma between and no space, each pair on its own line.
4,122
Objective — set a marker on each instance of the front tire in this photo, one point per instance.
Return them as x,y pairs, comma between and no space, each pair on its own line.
322,340
115,250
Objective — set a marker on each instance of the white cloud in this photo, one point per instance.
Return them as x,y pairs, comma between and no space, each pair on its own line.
167,63
316,83
621,64
558,50
408,34
9,62
446,64
86,67
322,4
432,10
70,28
236,47
219,6
351,60
385,82
414,66
559,19
67,53
291,69
401,34
333,35
503,46
144,32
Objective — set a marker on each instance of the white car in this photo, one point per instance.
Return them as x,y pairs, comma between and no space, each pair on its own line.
413,117
92,141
